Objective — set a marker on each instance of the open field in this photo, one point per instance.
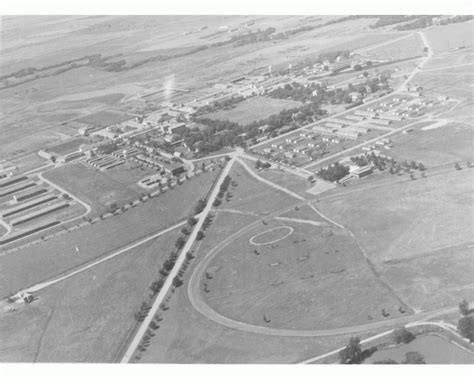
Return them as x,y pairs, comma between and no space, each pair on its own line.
252,196
91,186
435,349
315,278
443,145
257,108
410,46
32,264
85,318
455,82
407,219
186,336
443,38
402,221
293,182
433,280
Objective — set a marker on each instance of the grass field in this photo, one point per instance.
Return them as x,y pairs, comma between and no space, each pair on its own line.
253,109
451,36
436,279
86,317
185,336
38,262
401,221
315,278
446,144
91,186
253,196
454,82
405,48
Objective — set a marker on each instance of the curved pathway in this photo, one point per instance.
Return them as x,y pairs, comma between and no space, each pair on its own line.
199,303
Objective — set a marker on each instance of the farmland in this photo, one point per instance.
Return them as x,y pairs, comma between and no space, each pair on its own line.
255,109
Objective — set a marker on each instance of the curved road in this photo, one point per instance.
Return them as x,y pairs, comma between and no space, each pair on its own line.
199,303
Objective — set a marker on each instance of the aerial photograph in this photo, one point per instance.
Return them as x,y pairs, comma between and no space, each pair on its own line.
237,189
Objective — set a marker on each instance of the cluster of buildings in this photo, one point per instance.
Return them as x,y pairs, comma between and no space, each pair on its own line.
299,148
29,205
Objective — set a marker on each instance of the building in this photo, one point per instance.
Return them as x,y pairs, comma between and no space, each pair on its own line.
379,121
348,133
363,171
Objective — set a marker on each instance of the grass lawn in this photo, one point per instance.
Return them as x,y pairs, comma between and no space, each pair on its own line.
35,263
86,317
316,278
254,109
185,336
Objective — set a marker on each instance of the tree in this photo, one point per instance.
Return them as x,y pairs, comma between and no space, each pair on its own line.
156,285
177,281
402,335
413,358
464,307
457,166
192,221
352,353
357,67
421,167
468,164
113,207
180,242
200,235
466,327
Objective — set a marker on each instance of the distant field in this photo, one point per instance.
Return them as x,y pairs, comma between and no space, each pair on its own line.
253,109
451,36
105,118
407,47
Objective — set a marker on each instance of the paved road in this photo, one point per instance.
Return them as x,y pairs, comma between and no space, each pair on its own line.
177,267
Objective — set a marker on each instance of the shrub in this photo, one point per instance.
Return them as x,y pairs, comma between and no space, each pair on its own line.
402,336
